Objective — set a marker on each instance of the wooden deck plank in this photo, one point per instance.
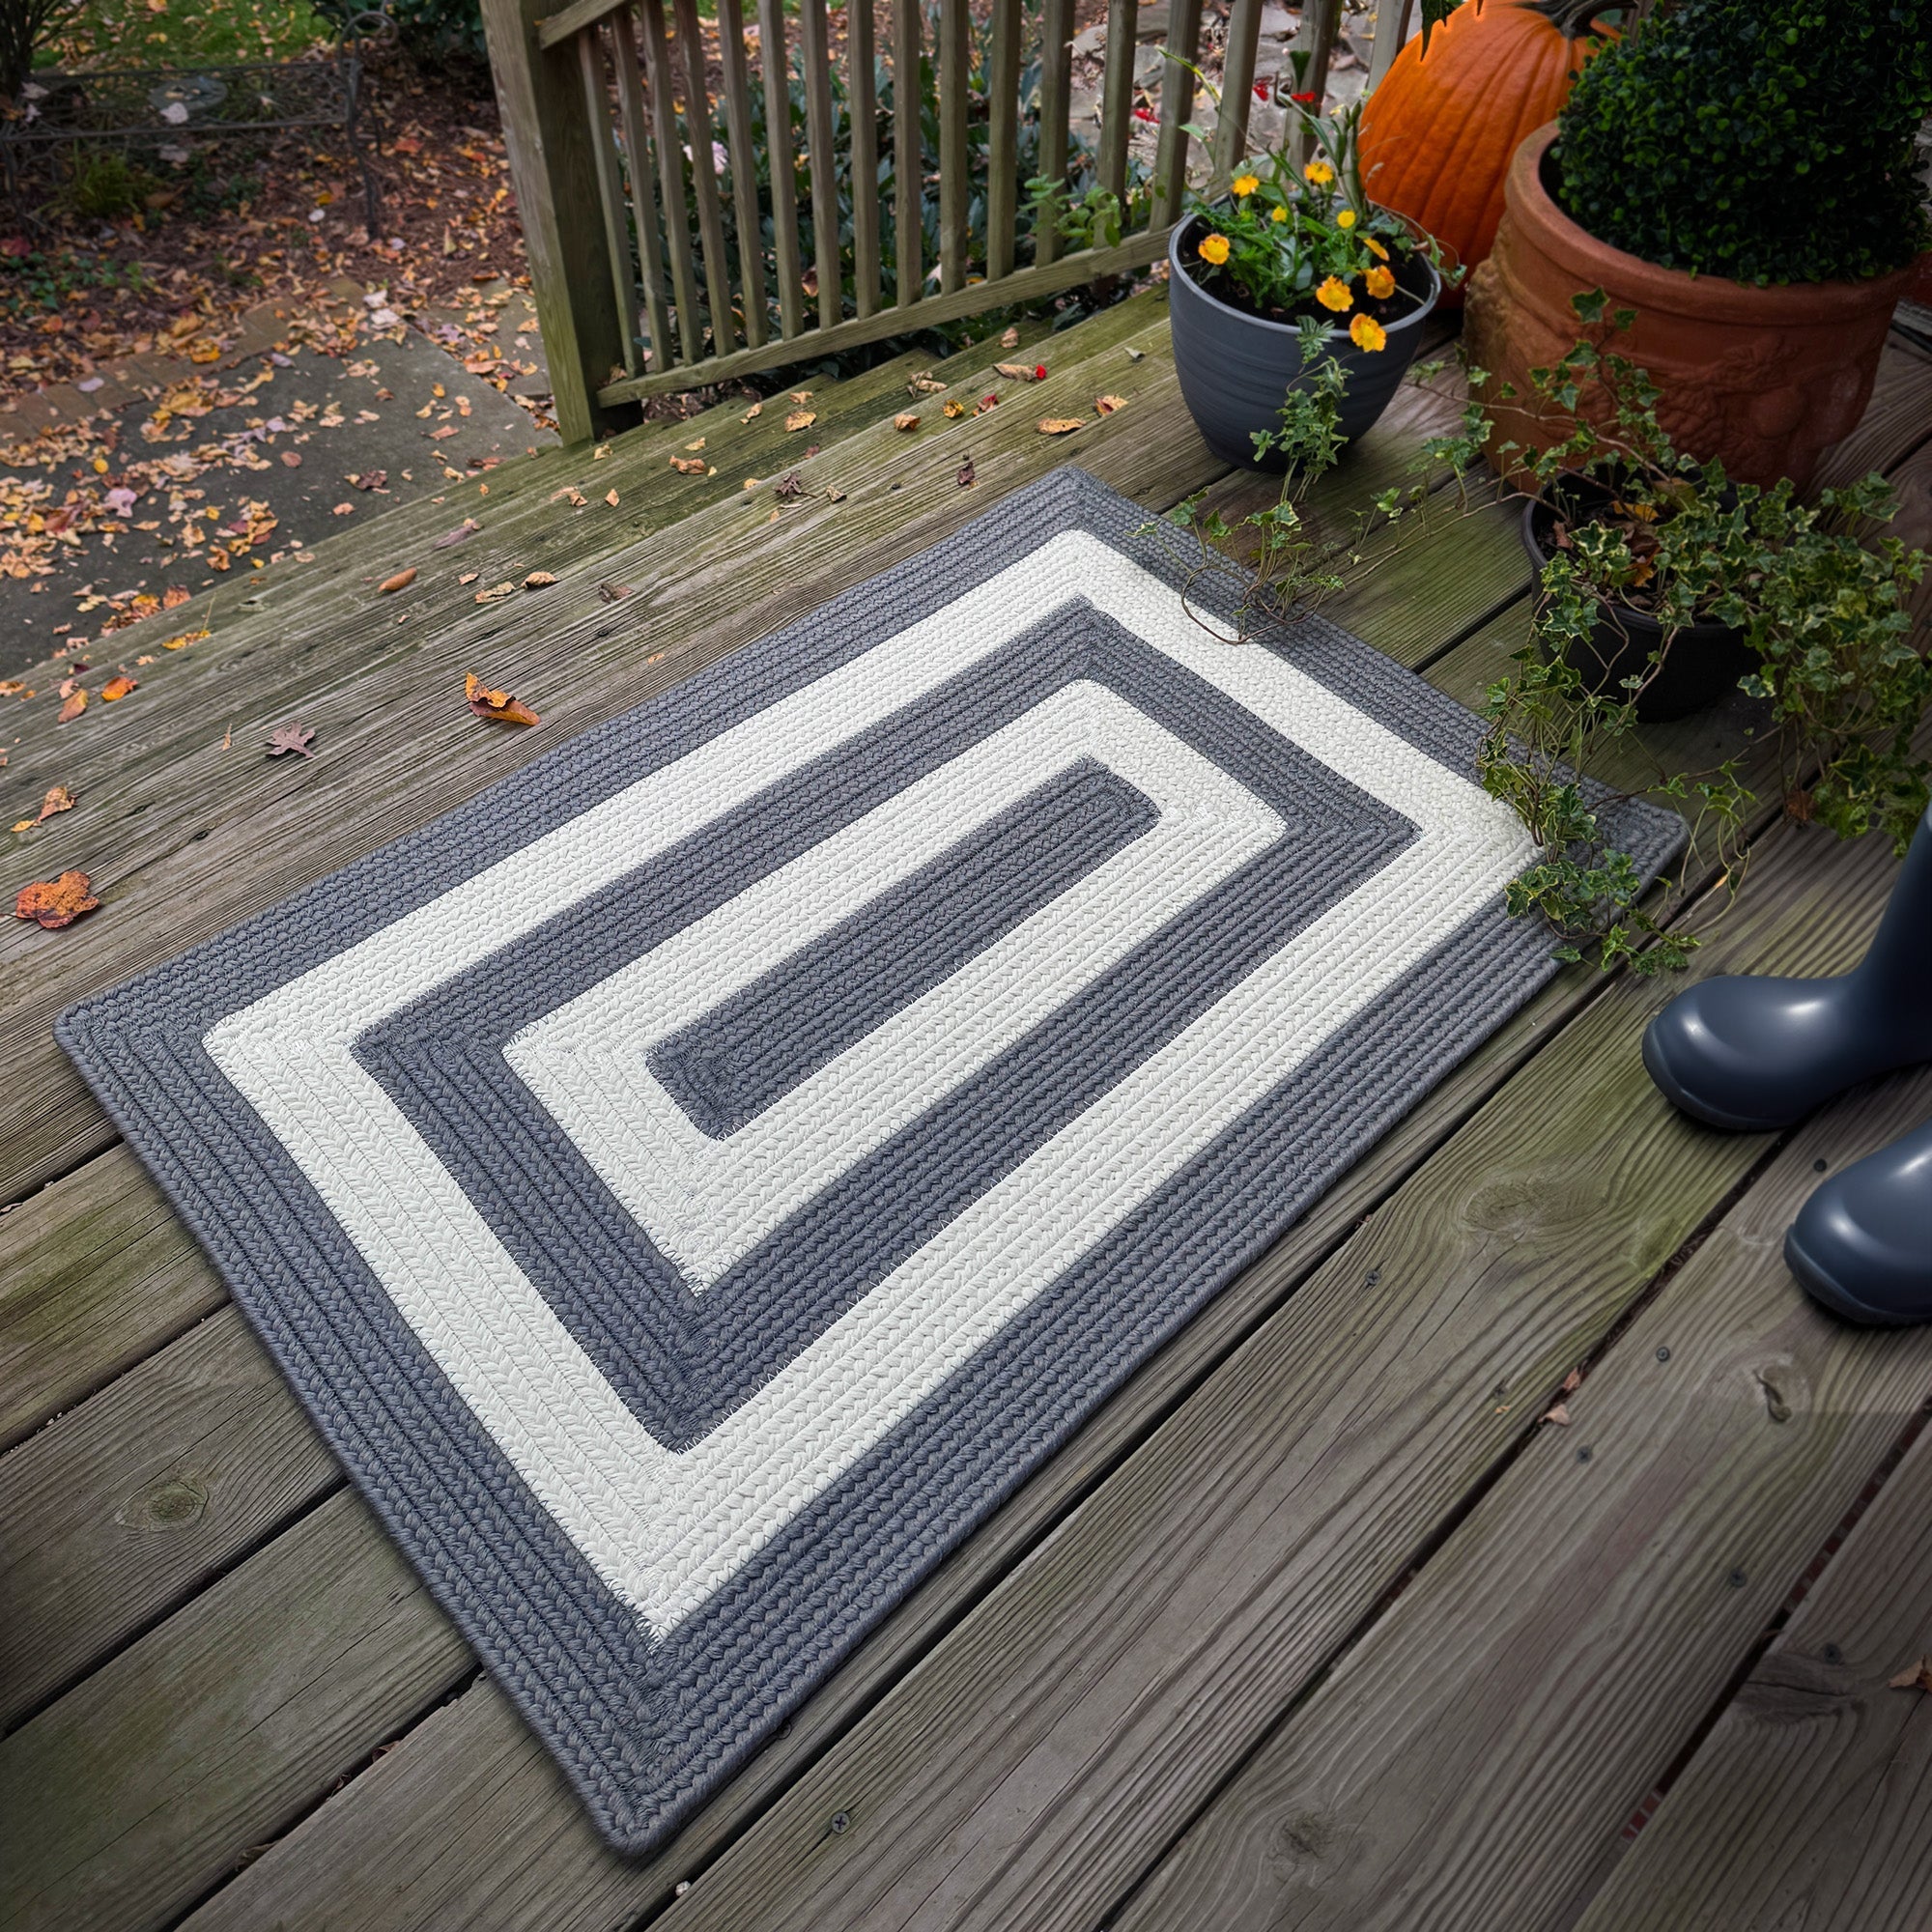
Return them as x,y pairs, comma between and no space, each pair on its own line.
123,1508
398,747
95,1273
1477,1753
134,1793
1160,1633
1810,1803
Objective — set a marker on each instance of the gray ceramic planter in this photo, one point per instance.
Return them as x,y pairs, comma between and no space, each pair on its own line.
1235,369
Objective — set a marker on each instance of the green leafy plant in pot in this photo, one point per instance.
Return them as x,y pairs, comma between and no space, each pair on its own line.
1740,175
1291,275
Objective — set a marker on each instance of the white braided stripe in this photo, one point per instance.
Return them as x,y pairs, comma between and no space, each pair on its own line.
663,1530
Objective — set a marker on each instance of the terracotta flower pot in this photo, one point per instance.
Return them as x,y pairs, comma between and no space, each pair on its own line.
1761,379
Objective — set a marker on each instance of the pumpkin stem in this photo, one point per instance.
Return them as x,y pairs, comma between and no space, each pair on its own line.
1573,19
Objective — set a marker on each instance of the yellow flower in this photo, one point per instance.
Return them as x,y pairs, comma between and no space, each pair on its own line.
1380,283
1345,217
1320,173
1375,249
1365,332
1280,215
1246,184
1214,249
1334,294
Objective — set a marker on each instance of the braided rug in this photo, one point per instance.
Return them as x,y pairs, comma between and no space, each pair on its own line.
695,1183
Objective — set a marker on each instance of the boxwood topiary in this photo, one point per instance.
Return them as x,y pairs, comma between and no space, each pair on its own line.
1765,140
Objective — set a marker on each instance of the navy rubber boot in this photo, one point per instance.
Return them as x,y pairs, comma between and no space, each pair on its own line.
1753,1053
1862,1243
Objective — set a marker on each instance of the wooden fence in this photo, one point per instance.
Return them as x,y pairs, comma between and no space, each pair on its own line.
672,241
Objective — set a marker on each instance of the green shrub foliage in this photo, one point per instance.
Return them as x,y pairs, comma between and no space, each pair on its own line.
1765,140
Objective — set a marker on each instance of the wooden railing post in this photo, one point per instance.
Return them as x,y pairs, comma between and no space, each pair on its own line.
554,168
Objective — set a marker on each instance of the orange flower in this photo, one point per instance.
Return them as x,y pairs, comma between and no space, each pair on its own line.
1375,249
1245,184
1334,294
1214,249
1380,283
1365,332
1320,173
1345,217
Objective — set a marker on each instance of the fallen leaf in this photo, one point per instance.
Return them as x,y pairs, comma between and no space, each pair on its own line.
343,510
1059,425
984,403
1136,355
834,494
185,639
496,704
1572,1382
787,486
470,577
438,435
611,497
55,903
469,527
924,386
611,593
801,395
292,459
370,479
58,799
751,415
1106,405
967,475
1016,372
1012,338
688,465
289,738
117,686
72,708
1558,1415
402,581
173,595
538,580
905,420
504,590
575,497
953,409
801,419
698,444
1915,1677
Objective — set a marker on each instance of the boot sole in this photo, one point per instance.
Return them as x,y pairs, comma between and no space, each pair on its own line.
1819,1285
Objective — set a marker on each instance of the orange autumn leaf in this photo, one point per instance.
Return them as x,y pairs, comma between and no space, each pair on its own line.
402,581
72,708
58,799
496,704
1059,425
116,687
55,903
1106,405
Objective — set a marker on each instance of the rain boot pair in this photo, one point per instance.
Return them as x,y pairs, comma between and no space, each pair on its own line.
1755,1053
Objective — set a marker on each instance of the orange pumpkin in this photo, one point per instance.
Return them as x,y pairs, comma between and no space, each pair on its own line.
1437,134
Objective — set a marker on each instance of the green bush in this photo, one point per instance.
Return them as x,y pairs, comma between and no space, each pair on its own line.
1764,140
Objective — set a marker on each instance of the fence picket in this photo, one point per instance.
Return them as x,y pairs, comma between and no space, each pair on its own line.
1056,77
774,64
818,133
1003,137
1177,105
863,107
617,244
704,177
744,168
908,152
956,180
638,164
1116,100
671,178
1237,87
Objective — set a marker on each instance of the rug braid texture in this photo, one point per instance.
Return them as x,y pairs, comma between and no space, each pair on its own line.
695,1183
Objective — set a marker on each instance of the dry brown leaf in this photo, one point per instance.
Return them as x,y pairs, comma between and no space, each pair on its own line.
289,738
801,395
1572,1382
1016,372
402,581
924,386
801,419
576,499
834,494
612,593
905,420
72,708
58,799
688,465
1136,355
1558,1415
787,487
503,589
967,475
698,444
185,639
291,459
470,577
118,688
611,497
1012,338
952,409
538,580
753,414
1105,406
14,687
496,704
1059,425
1914,1677
468,526
55,903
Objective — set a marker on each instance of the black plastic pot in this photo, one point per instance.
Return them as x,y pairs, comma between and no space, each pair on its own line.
1704,663
1235,368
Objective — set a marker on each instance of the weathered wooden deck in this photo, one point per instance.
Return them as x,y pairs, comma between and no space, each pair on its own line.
1318,1623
